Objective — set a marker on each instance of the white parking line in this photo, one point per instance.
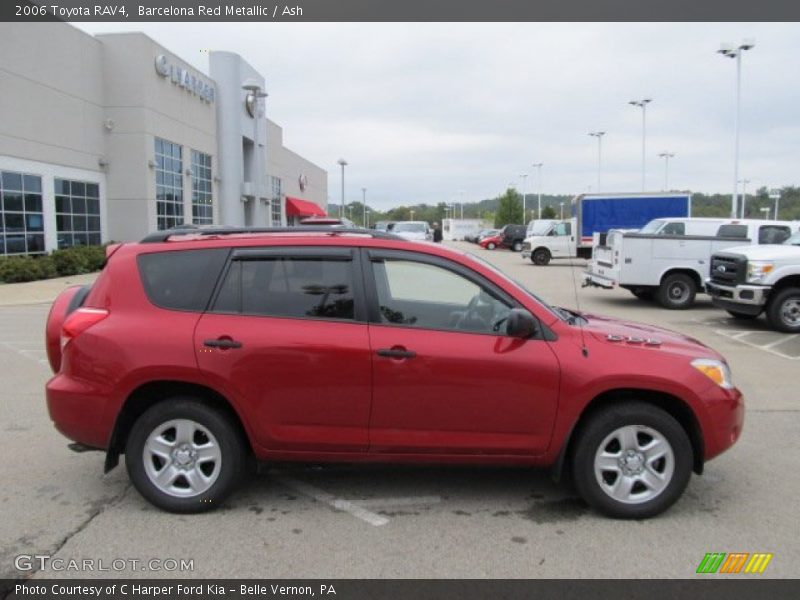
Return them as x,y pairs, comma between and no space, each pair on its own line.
338,503
741,335
782,340
398,502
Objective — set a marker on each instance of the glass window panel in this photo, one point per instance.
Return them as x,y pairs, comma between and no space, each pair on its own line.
93,224
93,206
15,244
61,186
63,204
78,205
64,240
78,188
36,243
79,223
12,201
12,181
34,222
33,203
63,223
159,146
81,239
15,222
92,190
32,183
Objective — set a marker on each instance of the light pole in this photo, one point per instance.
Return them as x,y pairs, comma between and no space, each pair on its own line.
364,203
524,179
538,167
343,163
643,105
732,51
412,214
744,183
775,194
765,210
254,96
366,219
666,156
561,204
461,193
599,135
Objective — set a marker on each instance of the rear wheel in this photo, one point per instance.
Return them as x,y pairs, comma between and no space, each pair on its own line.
632,461
184,456
677,291
491,246
517,247
740,315
541,257
783,310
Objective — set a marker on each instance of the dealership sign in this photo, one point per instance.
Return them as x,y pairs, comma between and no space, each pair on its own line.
184,79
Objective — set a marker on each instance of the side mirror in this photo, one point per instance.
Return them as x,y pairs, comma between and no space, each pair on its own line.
521,324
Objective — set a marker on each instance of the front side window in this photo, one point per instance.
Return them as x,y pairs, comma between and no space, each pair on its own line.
169,184
416,294
290,287
21,217
202,207
275,203
674,229
77,213
773,234
563,229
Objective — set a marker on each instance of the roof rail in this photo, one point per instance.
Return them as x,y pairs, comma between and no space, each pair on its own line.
163,236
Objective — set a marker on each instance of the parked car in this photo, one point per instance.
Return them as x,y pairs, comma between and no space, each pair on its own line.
477,237
749,280
194,352
383,225
512,237
329,221
417,231
490,242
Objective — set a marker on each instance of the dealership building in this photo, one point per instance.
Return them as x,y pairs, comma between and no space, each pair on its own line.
112,136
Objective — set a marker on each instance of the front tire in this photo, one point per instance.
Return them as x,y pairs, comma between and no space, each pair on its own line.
677,291
184,456
632,461
491,246
541,257
783,311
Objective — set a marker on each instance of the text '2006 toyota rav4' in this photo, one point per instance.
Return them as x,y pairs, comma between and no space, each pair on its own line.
196,351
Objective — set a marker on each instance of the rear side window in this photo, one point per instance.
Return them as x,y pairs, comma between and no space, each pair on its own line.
773,234
292,287
181,280
732,231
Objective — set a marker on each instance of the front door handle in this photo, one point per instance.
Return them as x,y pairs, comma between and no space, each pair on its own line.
396,353
222,343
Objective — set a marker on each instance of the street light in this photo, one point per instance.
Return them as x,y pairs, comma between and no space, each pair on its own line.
538,167
461,193
366,219
343,164
666,156
732,51
561,204
412,214
599,135
364,202
765,210
524,178
775,194
254,96
744,183
643,105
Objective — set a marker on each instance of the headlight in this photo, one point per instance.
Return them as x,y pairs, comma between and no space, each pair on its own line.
757,270
716,370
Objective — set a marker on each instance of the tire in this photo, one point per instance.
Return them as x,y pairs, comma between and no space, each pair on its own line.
677,291
517,247
643,293
491,246
206,431
783,310
541,257
647,490
742,316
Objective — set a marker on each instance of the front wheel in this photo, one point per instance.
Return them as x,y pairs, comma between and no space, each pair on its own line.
632,461
491,246
677,291
184,456
783,310
541,257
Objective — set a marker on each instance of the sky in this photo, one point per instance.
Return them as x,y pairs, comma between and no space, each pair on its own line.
430,112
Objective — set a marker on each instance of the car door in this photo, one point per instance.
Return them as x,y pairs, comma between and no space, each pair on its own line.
563,241
286,339
445,377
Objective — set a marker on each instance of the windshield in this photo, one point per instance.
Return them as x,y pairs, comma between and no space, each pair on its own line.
411,227
794,240
539,228
652,226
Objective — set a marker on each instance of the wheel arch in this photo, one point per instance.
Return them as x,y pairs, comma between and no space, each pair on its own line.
151,393
698,279
786,282
672,405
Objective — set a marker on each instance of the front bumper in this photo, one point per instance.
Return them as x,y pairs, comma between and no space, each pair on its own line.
724,421
744,298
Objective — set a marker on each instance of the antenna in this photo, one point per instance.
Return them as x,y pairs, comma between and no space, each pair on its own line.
584,349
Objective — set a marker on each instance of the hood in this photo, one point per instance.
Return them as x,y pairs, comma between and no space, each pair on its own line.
766,252
645,336
412,235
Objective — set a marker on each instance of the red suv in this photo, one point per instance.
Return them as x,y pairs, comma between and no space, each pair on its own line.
197,351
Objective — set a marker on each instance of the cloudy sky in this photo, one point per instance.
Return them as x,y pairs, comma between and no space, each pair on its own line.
423,111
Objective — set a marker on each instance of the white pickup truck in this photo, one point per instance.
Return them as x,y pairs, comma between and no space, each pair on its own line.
747,281
669,258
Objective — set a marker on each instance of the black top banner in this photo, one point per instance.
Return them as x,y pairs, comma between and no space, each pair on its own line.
401,10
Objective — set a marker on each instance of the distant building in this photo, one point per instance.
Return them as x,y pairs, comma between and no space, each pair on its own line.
111,136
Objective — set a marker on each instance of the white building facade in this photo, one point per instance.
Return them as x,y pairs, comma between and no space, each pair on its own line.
112,136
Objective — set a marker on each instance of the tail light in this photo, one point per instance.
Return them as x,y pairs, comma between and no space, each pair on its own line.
79,321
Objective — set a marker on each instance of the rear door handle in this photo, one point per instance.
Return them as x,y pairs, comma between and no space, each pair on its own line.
396,353
222,343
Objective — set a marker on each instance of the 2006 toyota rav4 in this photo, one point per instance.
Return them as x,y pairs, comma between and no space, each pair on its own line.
197,351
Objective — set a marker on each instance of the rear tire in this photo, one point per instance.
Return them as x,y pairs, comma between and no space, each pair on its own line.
632,461
783,310
541,257
742,316
677,291
184,456
517,247
491,246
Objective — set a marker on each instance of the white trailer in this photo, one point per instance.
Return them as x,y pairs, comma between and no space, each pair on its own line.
669,258
456,229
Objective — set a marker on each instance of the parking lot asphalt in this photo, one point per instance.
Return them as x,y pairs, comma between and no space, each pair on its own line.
341,521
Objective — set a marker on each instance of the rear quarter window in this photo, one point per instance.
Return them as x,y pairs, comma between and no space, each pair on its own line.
732,231
182,279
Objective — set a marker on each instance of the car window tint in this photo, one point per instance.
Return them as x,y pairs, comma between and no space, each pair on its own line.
417,294
181,280
732,231
674,229
294,287
773,234
563,228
